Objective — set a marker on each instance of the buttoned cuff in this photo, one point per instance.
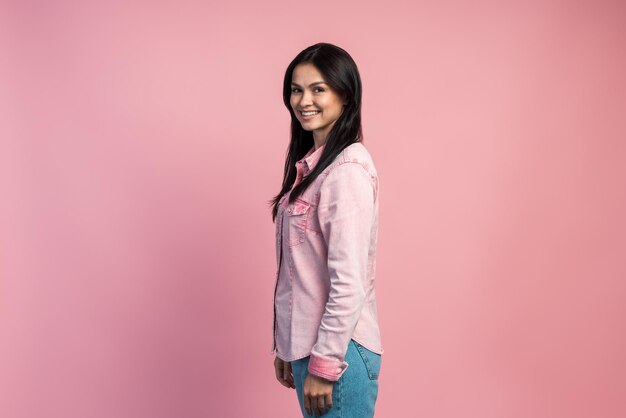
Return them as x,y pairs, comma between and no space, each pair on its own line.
328,369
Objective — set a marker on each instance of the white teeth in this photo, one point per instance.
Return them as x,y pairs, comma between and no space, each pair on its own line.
310,113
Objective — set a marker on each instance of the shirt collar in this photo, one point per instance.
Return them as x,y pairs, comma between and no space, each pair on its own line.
311,158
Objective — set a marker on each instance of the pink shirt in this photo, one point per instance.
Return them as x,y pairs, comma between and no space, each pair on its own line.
326,257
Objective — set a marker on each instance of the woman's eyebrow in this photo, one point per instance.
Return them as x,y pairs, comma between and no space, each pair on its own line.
312,84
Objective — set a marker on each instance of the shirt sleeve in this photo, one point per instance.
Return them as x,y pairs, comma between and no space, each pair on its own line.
346,212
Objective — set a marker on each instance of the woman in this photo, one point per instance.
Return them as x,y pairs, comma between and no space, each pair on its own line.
326,335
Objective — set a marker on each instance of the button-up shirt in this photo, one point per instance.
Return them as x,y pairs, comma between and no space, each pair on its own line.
326,241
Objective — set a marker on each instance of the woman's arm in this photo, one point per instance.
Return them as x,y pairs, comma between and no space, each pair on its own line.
346,212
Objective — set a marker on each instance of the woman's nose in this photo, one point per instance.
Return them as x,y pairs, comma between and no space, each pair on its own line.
305,99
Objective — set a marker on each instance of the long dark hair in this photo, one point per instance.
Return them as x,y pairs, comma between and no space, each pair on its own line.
342,75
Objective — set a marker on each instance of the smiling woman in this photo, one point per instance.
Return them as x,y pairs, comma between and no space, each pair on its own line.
326,336
317,106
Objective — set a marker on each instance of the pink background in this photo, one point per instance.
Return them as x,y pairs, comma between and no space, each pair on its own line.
141,141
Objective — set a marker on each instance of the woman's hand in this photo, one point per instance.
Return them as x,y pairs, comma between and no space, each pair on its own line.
317,392
283,373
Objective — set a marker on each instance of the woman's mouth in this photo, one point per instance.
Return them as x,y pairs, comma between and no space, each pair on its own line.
309,115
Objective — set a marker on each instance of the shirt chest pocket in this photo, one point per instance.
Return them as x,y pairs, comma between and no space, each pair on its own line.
296,219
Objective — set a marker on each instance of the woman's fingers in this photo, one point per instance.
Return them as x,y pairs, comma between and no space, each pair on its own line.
320,404
278,369
291,380
316,405
287,377
329,400
318,395
307,405
283,372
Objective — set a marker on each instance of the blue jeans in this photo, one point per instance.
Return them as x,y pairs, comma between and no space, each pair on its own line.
355,393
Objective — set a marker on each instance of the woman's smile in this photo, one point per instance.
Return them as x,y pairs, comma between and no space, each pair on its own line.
310,115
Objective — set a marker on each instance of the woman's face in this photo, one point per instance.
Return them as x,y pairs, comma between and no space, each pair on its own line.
309,92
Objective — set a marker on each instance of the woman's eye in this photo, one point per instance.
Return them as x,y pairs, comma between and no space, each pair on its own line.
317,89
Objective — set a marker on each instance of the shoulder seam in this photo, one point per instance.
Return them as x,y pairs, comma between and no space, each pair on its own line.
373,179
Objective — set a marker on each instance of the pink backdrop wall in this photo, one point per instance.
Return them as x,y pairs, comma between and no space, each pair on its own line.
140,142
